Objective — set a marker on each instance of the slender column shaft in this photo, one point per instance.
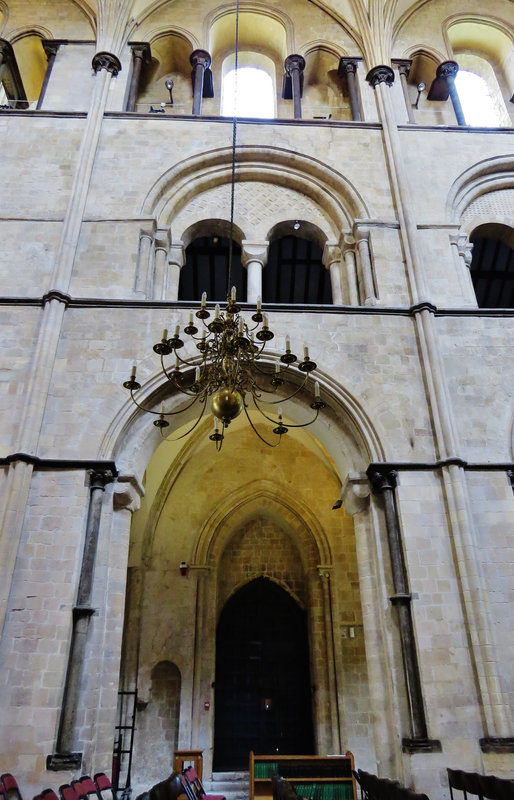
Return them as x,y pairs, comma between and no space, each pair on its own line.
144,263
348,67
254,256
81,614
200,60
403,70
176,260
162,247
331,670
50,49
332,261
384,484
140,56
294,66
448,70
366,269
351,274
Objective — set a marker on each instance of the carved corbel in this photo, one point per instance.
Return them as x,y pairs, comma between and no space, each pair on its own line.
355,493
127,493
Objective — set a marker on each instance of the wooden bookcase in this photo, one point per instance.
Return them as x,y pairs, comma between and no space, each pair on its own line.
313,777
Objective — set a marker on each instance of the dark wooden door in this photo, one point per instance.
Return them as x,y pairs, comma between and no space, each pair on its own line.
263,694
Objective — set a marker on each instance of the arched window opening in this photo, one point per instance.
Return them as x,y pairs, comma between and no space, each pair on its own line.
295,273
169,61
32,63
480,98
325,94
206,270
492,266
12,91
249,92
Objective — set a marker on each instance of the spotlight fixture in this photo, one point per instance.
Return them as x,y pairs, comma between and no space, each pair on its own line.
421,86
296,225
169,86
183,568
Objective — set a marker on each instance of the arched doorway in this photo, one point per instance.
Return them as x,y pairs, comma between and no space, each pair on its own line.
262,690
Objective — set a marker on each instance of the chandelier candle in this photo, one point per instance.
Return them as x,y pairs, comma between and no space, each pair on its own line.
229,369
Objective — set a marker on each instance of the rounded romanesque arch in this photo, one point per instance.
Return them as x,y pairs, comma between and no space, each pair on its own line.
338,201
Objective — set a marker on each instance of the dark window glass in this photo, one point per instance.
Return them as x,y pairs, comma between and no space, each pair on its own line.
206,270
295,273
492,272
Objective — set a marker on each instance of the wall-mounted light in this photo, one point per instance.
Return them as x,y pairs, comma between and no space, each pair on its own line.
421,86
296,224
184,568
169,86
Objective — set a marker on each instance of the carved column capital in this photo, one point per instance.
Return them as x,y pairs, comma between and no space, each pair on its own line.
331,254
465,249
200,58
51,46
162,239
380,74
447,70
404,65
347,66
108,61
360,232
142,51
355,493
127,493
99,478
254,251
324,571
177,254
382,478
347,243
294,63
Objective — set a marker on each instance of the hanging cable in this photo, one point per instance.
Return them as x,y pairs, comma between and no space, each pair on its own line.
234,144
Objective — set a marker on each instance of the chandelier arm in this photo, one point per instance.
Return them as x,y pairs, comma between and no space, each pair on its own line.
174,382
304,424
283,399
164,413
177,438
257,432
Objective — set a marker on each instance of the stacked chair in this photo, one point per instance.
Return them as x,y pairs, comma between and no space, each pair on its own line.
374,788
485,787
84,788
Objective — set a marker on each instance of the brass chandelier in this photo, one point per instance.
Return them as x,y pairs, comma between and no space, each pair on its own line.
227,368
228,371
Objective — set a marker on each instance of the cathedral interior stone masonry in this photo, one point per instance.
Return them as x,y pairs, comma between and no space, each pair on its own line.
352,588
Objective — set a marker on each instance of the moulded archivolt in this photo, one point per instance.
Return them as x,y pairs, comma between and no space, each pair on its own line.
334,194
490,175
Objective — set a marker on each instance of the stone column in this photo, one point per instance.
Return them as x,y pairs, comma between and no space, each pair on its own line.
51,48
355,494
404,66
332,261
294,66
347,245
141,55
367,285
384,483
463,250
200,60
467,563
144,268
333,694
348,67
160,275
64,758
448,71
176,260
254,256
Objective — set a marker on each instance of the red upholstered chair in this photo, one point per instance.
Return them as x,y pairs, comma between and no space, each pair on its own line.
188,789
11,790
85,787
48,794
104,786
197,786
68,792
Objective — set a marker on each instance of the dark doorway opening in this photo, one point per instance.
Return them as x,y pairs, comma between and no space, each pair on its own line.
263,693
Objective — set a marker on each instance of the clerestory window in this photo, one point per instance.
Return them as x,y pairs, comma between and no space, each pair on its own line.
248,91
